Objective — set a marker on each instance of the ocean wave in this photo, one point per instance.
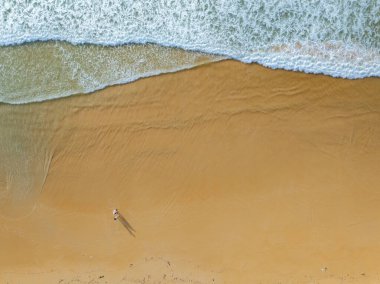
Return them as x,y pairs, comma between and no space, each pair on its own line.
340,38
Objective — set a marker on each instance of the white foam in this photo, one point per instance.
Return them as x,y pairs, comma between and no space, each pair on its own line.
340,38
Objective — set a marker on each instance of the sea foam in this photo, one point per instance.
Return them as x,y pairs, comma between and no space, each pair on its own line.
340,38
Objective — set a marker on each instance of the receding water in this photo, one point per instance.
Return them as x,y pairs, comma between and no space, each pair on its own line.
47,70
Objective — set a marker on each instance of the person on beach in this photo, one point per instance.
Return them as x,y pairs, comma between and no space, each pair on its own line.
115,213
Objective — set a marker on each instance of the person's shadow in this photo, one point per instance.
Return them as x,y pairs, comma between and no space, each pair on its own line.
126,225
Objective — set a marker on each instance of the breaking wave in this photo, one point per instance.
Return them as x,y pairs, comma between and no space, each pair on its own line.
340,38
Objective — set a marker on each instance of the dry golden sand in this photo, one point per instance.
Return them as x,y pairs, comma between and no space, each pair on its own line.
228,173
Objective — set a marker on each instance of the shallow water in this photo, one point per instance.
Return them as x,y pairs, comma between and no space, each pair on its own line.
47,70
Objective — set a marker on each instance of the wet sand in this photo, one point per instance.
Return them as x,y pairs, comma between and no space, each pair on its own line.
226,173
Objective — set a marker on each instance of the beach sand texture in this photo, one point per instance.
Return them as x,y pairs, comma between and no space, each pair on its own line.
225,173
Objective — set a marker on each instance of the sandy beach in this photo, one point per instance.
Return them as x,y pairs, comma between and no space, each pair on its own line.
225,173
